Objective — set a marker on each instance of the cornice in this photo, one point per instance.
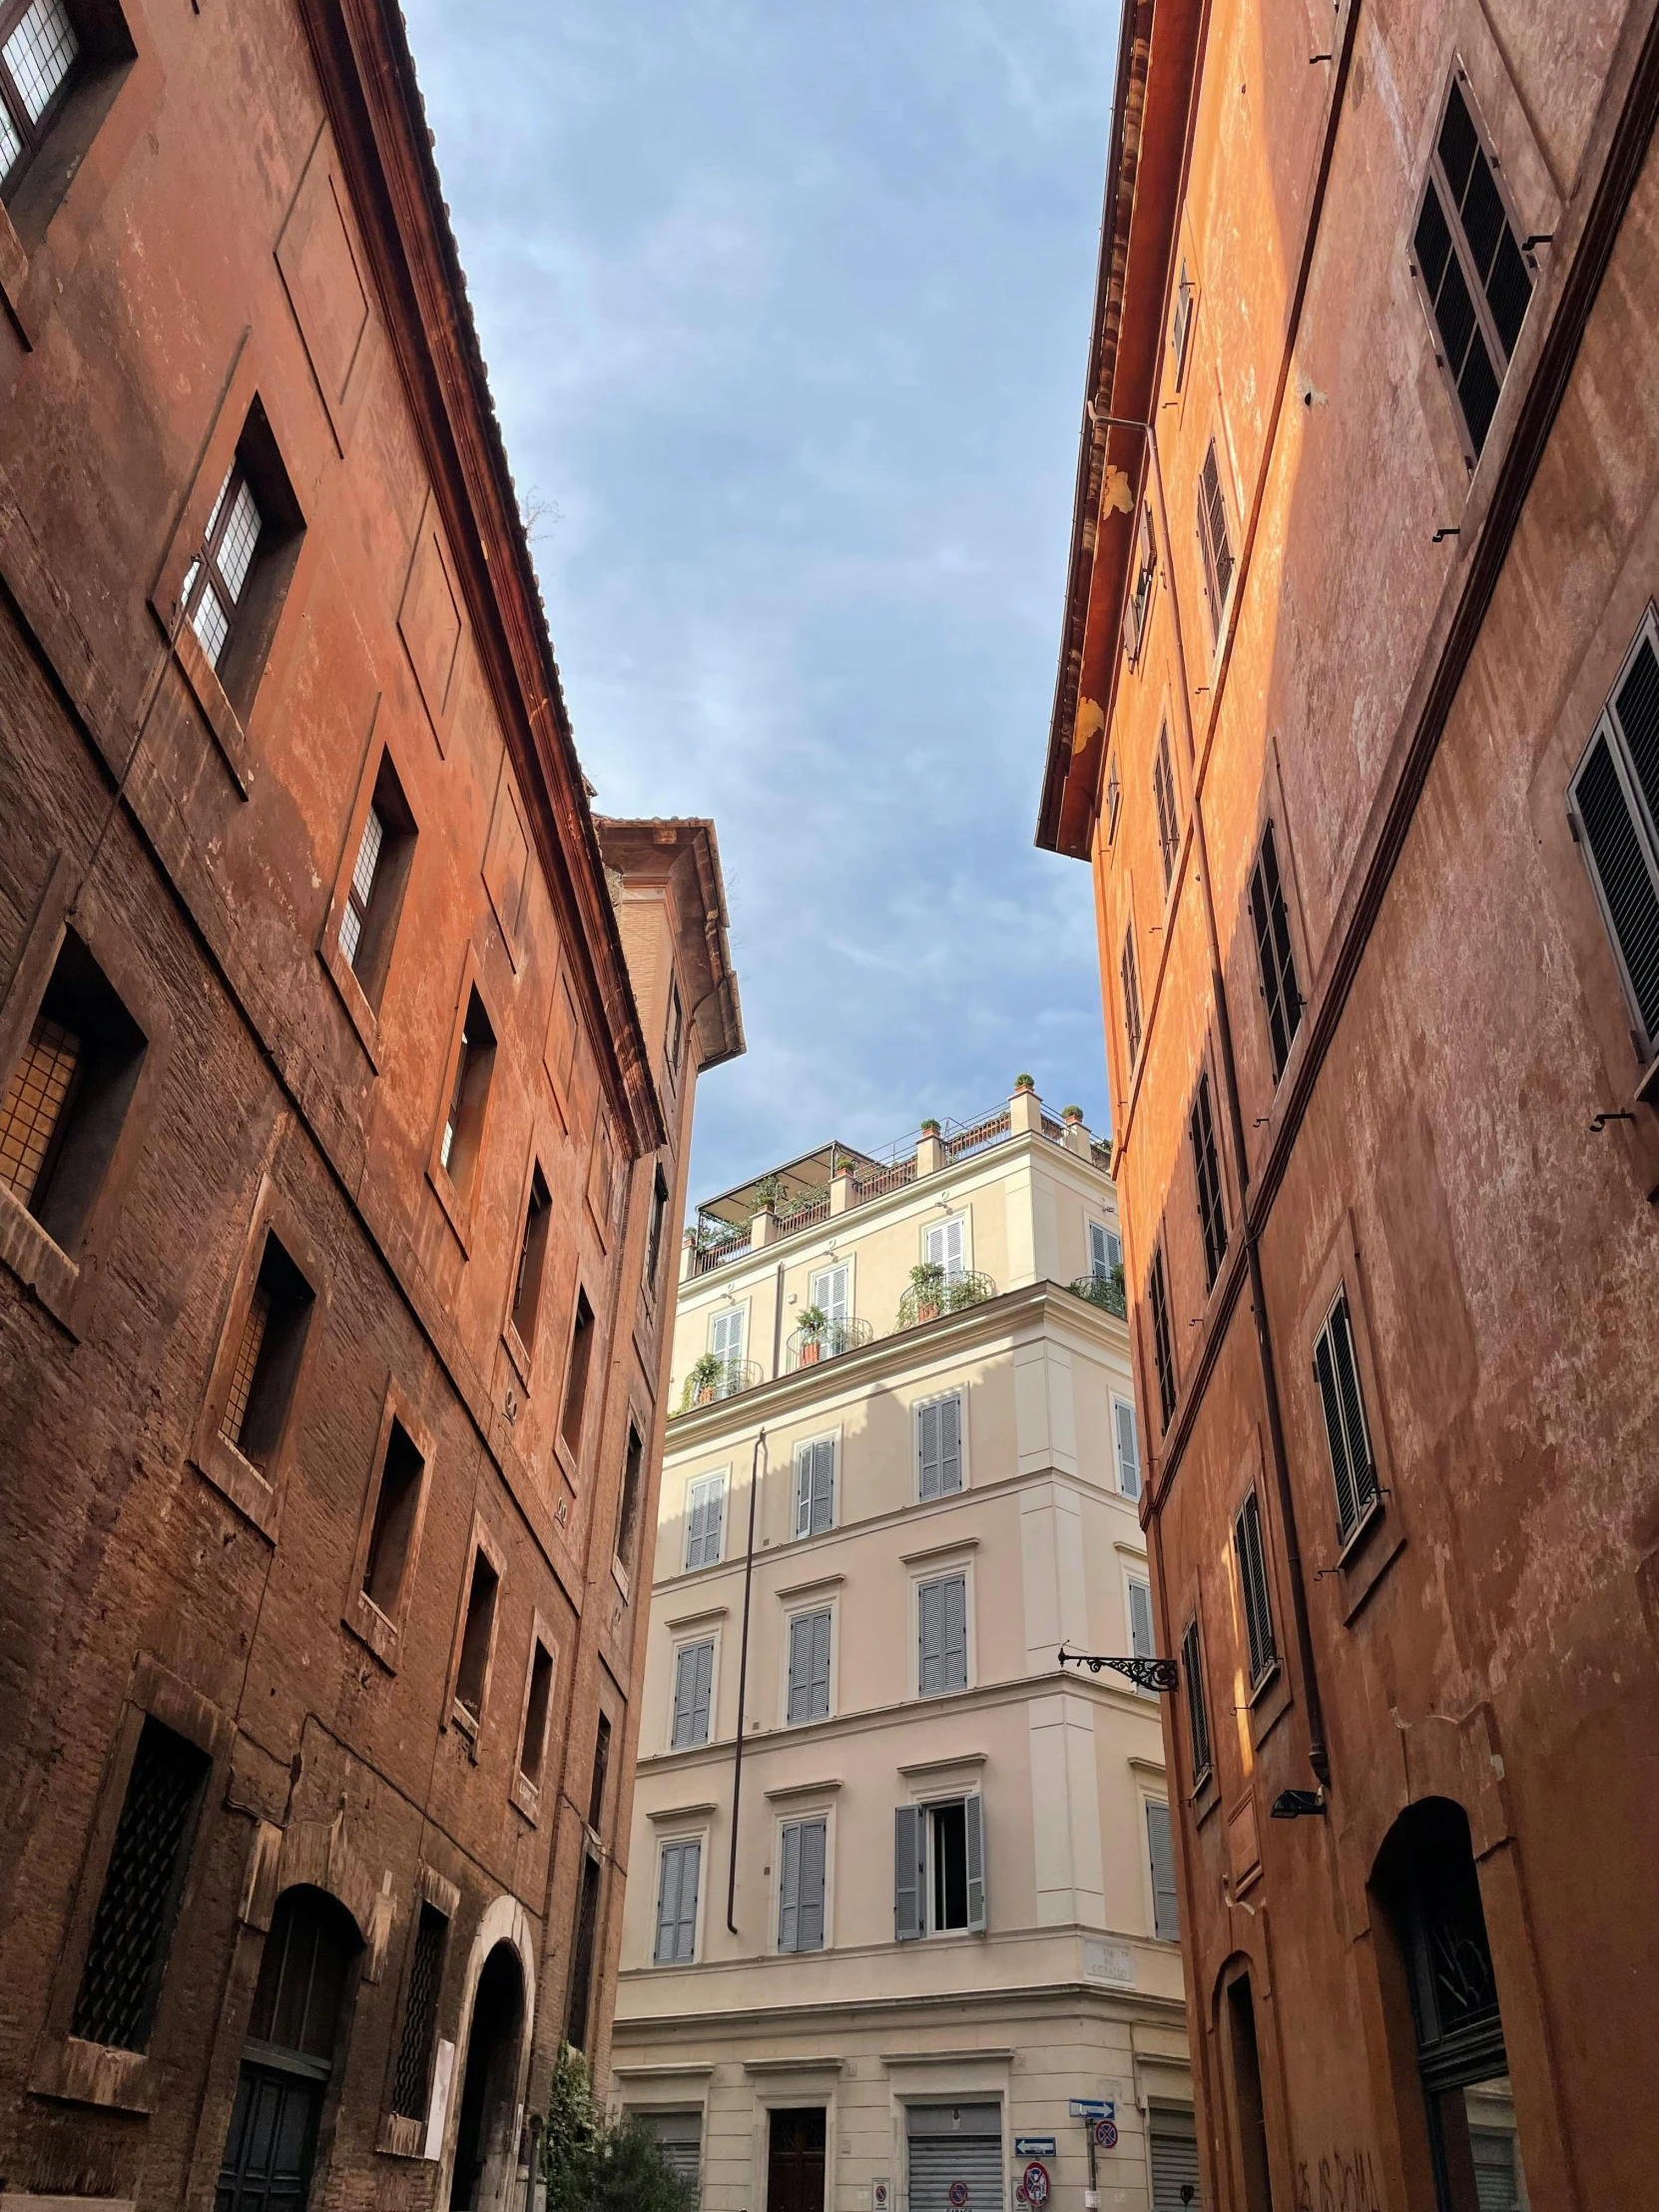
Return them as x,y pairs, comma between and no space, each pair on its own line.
368,78
1109,1998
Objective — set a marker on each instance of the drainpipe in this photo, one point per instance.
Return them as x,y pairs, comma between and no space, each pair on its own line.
743,1681
1318,1755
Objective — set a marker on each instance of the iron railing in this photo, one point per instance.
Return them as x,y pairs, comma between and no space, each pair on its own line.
806,1347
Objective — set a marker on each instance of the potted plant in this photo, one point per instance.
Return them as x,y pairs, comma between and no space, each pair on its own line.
704,1378
927,1290
812,1326
930,1127
1071,1113
1025,1082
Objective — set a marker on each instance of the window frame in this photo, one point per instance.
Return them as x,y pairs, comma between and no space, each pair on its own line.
1643,818
362,977
1127,1404
33,134
805,1814
1182,315
715,1475
1210,1185
482,1544
1263,1667
948,1566
691,1638
1138,608
383,1632
527,1789
815,1605
1128,978
1264,926
1137,1575
1196,1705
1367,1491
459,1194
936,1226
526,1300
404,2133
798,1452
1162,1340
675,1838
1218,598
577,1390
958,1392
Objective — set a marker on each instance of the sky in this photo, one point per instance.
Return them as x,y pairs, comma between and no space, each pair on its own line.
785,311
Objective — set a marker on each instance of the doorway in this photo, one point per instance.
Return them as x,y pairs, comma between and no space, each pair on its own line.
288,2057
1249,2112
795,2160
484,2137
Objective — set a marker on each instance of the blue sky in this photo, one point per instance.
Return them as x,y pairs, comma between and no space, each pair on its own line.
786,310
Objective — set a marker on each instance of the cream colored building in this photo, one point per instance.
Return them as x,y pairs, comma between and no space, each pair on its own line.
952,1909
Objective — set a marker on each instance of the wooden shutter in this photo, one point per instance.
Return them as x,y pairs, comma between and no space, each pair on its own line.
1129,1454
930,1627
815,1836
685,1933
693,1670
955,1632
814,1487
1197,1713
677,1903
1140,1622
928,1433
1353,1469
1253,1580
1212,531
808,1667
789,1892
951,1443
1100,1267
944,1245
1613,803
974,1819
1166,1916
910,1871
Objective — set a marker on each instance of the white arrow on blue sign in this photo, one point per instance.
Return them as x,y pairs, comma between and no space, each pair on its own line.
1093,2108
1034,2147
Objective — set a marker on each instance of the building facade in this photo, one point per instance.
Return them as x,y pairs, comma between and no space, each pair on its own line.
903,1471
1356,726
346,1079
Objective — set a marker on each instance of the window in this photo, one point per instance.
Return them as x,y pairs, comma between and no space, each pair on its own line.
68,1095
704,1521
1272,920
944,1245
1198,1711
411,2084
1212,535
532,1256
219,575
725,1336
654,1234
581,1953
678,1875
601,1772
678,2137
831,1293
1470,266
941,1633
1163,1350
576,1374
1142,1642
380,877
1131,998
803,1858
1253,1581
268,1358
396,1512
676,1028
133,1930
815,1486
808,1698
939,1446
1336,1371
628,1517
1128,1447
694,1676
1146,575
538,1698
939,1868
1169,822
1181,324
1114,800
1613,806
477,1638
37,70
1212,1215
1166,1916
1105,1252
463,1123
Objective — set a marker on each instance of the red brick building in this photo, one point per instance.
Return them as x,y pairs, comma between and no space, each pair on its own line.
345,1083
1357,724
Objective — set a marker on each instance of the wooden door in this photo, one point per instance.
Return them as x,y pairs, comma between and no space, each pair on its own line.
795,2164
272,2135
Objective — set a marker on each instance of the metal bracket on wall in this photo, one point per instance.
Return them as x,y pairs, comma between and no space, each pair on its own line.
1146,1673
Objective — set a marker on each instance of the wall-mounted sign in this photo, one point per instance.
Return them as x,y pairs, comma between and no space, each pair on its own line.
1106,2134
1034,2147
1093,2108
958,2194
1033,2186
882,2196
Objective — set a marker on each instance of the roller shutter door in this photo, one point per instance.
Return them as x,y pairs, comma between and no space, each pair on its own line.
946,2148
1174,2142
680,2139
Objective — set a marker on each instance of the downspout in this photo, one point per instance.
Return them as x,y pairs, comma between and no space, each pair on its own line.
1318,1753
743,1682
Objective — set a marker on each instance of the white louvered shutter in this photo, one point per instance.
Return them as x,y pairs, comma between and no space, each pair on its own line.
973,1818
930,1633
956,1633
1166,1917
951,1445
910,1873
814,1863
929,1479
1100,1265
725,1336
1129,1448
789,1890
829,1293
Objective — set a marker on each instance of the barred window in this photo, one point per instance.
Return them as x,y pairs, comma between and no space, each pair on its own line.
1163,1350
1613,808
39,56
218,578
35,1100
412,2084
1272,920
122,1979
1198,1711
1249,1550
1212,1214
1347,1434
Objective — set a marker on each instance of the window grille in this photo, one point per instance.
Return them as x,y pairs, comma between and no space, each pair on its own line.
361,888
37,65
1353,1467
1212,531
1163,1350
1169,822
1146,575
1114,800
121,1980
1212,1214
1471,267
808,1667
35,1099
1613,806
1181,324
247,1359
1253,1580
218,577
1198,1711
1272,920
1131,998
412,2082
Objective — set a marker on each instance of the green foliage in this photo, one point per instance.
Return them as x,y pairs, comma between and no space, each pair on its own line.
812,1321
592,2165
768,1191
1105,1291
703,1375
928,1280
1025,1082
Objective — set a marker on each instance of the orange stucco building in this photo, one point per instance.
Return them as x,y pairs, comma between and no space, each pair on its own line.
1358,726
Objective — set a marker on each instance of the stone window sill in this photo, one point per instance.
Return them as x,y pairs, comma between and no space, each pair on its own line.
37,1262
362,1016
209,692
79,2072
370,1626
401,2137
240,1481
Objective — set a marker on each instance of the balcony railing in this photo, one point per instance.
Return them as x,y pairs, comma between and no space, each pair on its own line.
710,1253
1104,1291
808,1348
941,1294
711,1379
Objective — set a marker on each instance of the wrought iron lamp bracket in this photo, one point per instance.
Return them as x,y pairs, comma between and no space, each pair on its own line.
1146,1673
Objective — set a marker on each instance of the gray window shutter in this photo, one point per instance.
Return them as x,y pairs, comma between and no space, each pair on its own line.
930,1622
1140,1622
685,1934
951,1445
705,1523
789,1892
910,1873
677,1903
814,1854
956,1633
973,1817
804,1490
1129,1448
1166,1917
927,1424
702,1686
808,1667
697,1516
819,1691
824,1486
1099,1265
1622,863
685,1675
714,1527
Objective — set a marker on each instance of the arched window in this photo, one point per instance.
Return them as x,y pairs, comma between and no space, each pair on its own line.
1426,1876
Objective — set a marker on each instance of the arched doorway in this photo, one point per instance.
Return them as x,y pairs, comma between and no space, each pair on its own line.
288,2056
1426,1878
484,2136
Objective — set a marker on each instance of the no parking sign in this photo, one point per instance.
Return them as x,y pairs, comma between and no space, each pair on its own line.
1106,2134
1034,2187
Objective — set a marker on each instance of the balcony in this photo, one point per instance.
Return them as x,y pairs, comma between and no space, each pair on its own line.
811,1342
1105,1291
711,1379
934,1291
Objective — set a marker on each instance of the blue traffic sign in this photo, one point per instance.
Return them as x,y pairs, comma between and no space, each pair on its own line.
1034,2147
1093,2108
